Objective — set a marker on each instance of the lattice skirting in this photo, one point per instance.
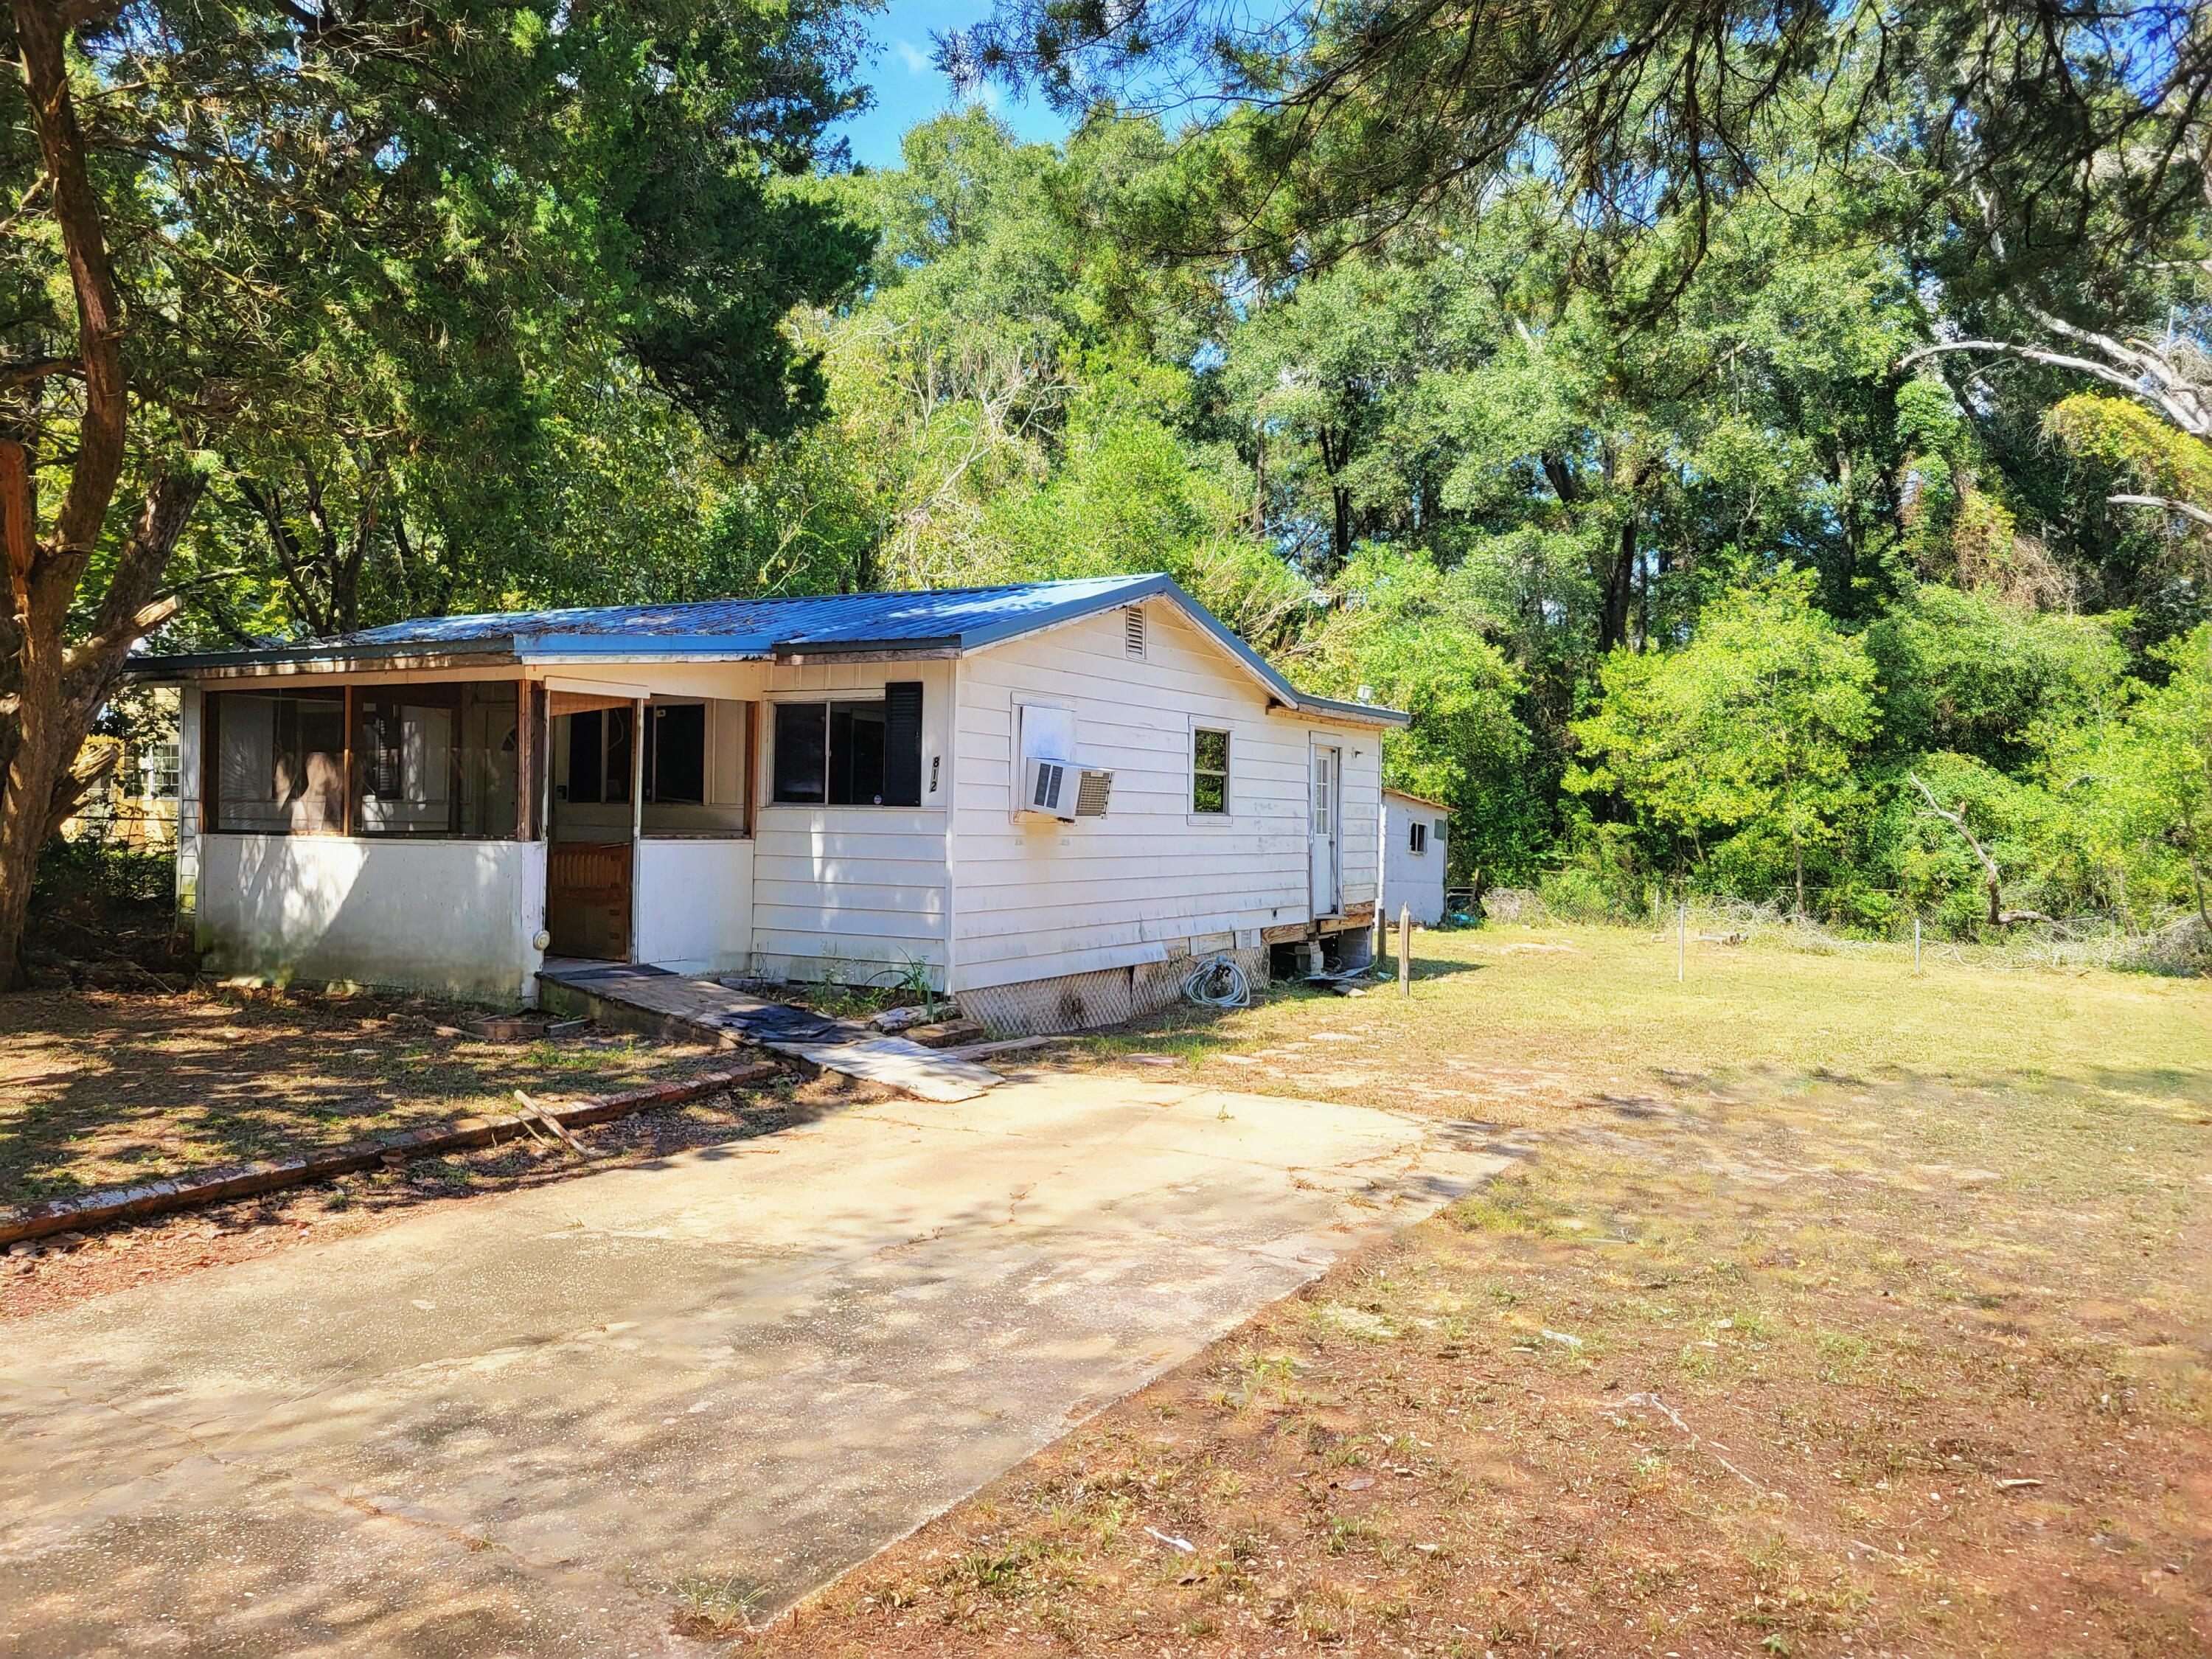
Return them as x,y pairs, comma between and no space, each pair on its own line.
1107,996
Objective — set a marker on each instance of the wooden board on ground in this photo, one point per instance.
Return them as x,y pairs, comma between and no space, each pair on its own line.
898,1064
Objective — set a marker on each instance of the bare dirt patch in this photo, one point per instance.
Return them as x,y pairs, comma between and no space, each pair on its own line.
1905,1348
98,1088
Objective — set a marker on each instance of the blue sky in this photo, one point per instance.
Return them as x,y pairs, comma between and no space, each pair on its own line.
908,89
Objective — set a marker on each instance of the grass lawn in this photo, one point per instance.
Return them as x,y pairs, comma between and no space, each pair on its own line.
1829,1309
102,1088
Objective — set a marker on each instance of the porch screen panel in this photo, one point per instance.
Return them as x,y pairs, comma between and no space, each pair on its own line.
280,762
437,760
405,750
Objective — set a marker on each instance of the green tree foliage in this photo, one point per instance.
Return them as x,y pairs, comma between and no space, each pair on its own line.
293,251
1750,729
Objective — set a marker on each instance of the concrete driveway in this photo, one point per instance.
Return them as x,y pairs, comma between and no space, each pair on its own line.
548,1423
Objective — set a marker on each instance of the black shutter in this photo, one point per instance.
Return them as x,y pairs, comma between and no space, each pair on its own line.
903,743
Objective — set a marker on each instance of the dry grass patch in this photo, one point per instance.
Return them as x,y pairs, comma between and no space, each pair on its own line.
1827,1310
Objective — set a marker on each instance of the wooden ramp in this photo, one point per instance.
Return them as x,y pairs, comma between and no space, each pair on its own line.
638,997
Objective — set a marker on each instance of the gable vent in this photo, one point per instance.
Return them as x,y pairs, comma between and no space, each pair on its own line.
1132,630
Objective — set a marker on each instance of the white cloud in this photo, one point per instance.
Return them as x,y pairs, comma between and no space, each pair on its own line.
915,59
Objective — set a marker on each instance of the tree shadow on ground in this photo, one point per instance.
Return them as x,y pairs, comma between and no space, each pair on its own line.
106,1087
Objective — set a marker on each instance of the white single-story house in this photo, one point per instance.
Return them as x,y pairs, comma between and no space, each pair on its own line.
1413,832
1048,798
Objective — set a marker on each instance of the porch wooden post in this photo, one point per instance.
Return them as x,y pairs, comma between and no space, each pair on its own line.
752,764
349,812
456,778
637,742
210,757
526,756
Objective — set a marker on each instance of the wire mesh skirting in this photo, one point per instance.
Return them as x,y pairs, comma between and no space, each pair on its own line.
1105,996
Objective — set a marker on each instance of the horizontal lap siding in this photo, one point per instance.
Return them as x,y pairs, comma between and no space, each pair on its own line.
862,886
1035,901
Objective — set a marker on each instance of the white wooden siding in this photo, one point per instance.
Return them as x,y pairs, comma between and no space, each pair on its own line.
1415,879
856,891
1036,899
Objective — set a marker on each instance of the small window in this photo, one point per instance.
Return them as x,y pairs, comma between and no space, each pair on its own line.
1440,832
1209,770
851,754
1419,842
1133,630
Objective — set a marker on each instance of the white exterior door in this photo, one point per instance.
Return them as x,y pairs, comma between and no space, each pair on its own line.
1327,765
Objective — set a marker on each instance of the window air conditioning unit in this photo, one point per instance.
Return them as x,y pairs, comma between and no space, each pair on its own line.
1061,789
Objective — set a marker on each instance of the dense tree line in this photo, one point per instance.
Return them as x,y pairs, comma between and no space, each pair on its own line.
1773,459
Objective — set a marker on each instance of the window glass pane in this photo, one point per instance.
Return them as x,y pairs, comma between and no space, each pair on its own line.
587,736
677,767
1209,771
801,751
856,753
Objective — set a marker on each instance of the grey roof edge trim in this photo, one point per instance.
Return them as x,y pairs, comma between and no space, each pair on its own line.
915,646
184,664
1372,714
1163,586
632,647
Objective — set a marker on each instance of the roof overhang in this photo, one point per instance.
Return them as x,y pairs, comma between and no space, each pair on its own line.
1434,805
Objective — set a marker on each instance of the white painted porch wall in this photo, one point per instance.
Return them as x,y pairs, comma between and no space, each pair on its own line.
694,904
1034,899
455,918
1410,877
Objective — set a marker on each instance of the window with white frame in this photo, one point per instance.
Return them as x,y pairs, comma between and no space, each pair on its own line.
1418,841
1209,770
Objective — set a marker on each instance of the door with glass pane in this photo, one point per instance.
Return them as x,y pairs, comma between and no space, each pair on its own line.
1328,791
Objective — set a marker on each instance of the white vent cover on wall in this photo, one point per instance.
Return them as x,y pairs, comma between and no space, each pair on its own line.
1132,630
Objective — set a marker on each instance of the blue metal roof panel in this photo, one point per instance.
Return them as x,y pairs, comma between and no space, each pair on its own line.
760,627
957,618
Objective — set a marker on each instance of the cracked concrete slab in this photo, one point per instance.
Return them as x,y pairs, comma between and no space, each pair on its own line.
544,1423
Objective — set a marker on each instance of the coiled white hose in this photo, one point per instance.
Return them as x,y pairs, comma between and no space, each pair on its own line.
1219,982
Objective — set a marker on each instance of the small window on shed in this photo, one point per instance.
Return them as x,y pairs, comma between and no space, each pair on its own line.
1133,630
1419,842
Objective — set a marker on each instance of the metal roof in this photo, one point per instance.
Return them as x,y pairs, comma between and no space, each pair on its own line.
1419,800
955,620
